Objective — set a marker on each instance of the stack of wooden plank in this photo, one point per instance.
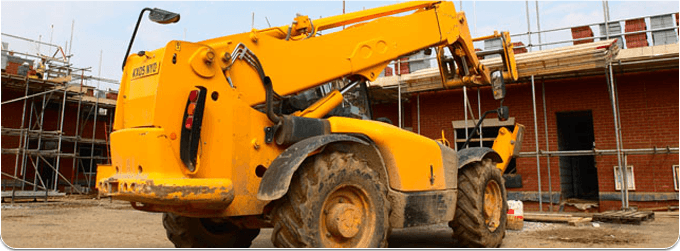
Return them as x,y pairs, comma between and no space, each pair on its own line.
628,217
557,218
648,53
563,60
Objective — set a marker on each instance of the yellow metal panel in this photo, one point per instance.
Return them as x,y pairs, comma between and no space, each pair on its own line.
118,118
505,144
232,137
139,100
148,149
103,171
408,156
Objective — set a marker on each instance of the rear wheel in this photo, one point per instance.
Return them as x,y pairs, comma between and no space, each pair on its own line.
187,232
481,212
334,201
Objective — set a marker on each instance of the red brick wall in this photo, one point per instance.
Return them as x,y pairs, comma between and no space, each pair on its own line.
649,117
391,112
386,110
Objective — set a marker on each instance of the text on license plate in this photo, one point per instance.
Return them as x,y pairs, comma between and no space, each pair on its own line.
146,70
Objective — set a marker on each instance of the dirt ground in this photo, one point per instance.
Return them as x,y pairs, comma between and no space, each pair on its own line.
78,222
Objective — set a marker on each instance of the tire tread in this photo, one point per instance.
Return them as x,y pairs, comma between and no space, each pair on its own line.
468,225
294,211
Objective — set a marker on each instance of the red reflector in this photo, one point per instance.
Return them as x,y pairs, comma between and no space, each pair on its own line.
189,122
193,96
191,108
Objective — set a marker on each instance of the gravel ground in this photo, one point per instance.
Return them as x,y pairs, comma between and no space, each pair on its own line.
533,226
90,223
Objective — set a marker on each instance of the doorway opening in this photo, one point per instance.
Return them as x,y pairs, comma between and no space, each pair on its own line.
578,174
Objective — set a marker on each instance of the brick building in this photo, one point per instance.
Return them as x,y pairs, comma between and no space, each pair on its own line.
579,116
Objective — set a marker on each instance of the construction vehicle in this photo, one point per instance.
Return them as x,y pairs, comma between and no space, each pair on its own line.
204,132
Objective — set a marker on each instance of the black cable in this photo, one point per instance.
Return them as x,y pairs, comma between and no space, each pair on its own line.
134,34
467,142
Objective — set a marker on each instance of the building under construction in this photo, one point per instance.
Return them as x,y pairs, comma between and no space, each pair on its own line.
55,124
590,104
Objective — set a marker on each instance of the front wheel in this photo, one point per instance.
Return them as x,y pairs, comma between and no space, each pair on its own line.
334,201
481,212
187,232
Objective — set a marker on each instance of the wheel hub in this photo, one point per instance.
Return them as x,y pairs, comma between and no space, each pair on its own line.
344,220
493,200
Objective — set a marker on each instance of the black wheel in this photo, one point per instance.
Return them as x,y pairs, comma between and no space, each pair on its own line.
187,232
334,201
481,212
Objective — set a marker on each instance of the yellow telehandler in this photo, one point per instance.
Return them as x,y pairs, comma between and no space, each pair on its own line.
242,132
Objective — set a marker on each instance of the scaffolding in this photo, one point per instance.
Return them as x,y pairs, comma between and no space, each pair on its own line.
48,135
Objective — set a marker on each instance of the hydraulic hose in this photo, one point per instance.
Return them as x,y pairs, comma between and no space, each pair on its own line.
269,93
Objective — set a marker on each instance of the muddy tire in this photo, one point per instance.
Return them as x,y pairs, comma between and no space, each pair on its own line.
334,200
481,212
187,232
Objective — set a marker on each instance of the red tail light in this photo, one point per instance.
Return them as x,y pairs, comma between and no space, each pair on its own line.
193,96
189,122
191,127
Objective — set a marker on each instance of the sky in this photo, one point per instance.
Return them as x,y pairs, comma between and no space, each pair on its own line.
104,28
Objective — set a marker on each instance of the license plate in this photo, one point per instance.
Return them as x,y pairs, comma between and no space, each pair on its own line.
146,70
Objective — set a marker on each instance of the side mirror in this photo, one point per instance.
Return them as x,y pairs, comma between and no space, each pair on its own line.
163,16
498,85
503,113
157,15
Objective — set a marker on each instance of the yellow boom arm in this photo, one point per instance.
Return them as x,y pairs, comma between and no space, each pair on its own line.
296,58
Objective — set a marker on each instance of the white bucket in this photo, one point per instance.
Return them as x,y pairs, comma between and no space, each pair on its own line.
515,215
